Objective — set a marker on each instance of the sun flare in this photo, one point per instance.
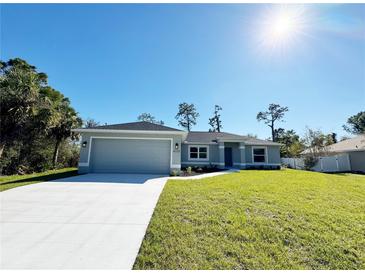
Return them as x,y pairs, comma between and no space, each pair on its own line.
282,26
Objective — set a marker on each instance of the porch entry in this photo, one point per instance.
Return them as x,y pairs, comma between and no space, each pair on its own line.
228,157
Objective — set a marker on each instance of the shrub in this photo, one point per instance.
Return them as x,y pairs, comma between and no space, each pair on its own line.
188,170
69,154
175,172
310,161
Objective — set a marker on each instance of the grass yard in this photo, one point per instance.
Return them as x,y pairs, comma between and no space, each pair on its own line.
285,219
8,182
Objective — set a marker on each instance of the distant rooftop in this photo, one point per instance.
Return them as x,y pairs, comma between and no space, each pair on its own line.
353,144
137,126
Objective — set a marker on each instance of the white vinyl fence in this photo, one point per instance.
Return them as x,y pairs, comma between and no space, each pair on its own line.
296,163
335,163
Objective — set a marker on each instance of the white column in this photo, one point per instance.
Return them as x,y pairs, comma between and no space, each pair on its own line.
242,149
221,154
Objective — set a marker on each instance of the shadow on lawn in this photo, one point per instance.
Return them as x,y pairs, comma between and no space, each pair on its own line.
118,178
345,173
43,178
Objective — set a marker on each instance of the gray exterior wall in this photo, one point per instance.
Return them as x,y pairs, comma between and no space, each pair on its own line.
236,156
242,157
84,152
213,156
357,160
273,156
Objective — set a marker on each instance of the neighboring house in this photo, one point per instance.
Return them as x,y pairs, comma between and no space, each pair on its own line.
354,148
143,147
350,151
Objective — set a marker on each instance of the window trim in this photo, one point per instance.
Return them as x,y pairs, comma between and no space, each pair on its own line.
198,159
253,158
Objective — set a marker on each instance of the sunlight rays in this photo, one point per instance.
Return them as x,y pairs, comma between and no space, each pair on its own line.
281,28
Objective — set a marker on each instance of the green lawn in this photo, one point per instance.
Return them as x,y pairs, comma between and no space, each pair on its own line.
285,219
8,182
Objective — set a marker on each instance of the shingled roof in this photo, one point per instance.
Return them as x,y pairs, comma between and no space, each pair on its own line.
137,126
192,137
353,144
214,137
348,145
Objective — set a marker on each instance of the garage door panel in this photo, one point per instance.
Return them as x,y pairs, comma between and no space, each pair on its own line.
130,156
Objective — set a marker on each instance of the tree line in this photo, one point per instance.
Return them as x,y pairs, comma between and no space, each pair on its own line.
37,121
313,139
187,116
293,144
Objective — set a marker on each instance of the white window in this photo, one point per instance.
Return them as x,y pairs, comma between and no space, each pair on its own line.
259,154
198,152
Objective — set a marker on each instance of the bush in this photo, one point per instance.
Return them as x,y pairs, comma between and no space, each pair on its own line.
36,156
69,154
262,167
9,161
188,170
175,172
310,161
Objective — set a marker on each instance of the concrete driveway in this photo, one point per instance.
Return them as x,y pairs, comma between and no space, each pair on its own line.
92,221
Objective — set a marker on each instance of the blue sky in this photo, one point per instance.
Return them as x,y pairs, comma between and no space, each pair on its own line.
116,61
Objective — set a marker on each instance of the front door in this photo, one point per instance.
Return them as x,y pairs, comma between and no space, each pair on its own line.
228,156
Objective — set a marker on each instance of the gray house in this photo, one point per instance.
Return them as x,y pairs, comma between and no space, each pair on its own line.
143,147
344,156
354,149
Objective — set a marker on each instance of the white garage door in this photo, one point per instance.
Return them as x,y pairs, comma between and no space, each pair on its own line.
130,156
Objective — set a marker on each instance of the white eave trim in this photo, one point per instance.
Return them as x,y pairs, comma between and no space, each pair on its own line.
260,144
230,140
346,150
247,143
199,143
91,130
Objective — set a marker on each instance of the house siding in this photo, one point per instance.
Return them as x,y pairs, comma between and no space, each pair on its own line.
273,155
357,160
213,155
180,156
